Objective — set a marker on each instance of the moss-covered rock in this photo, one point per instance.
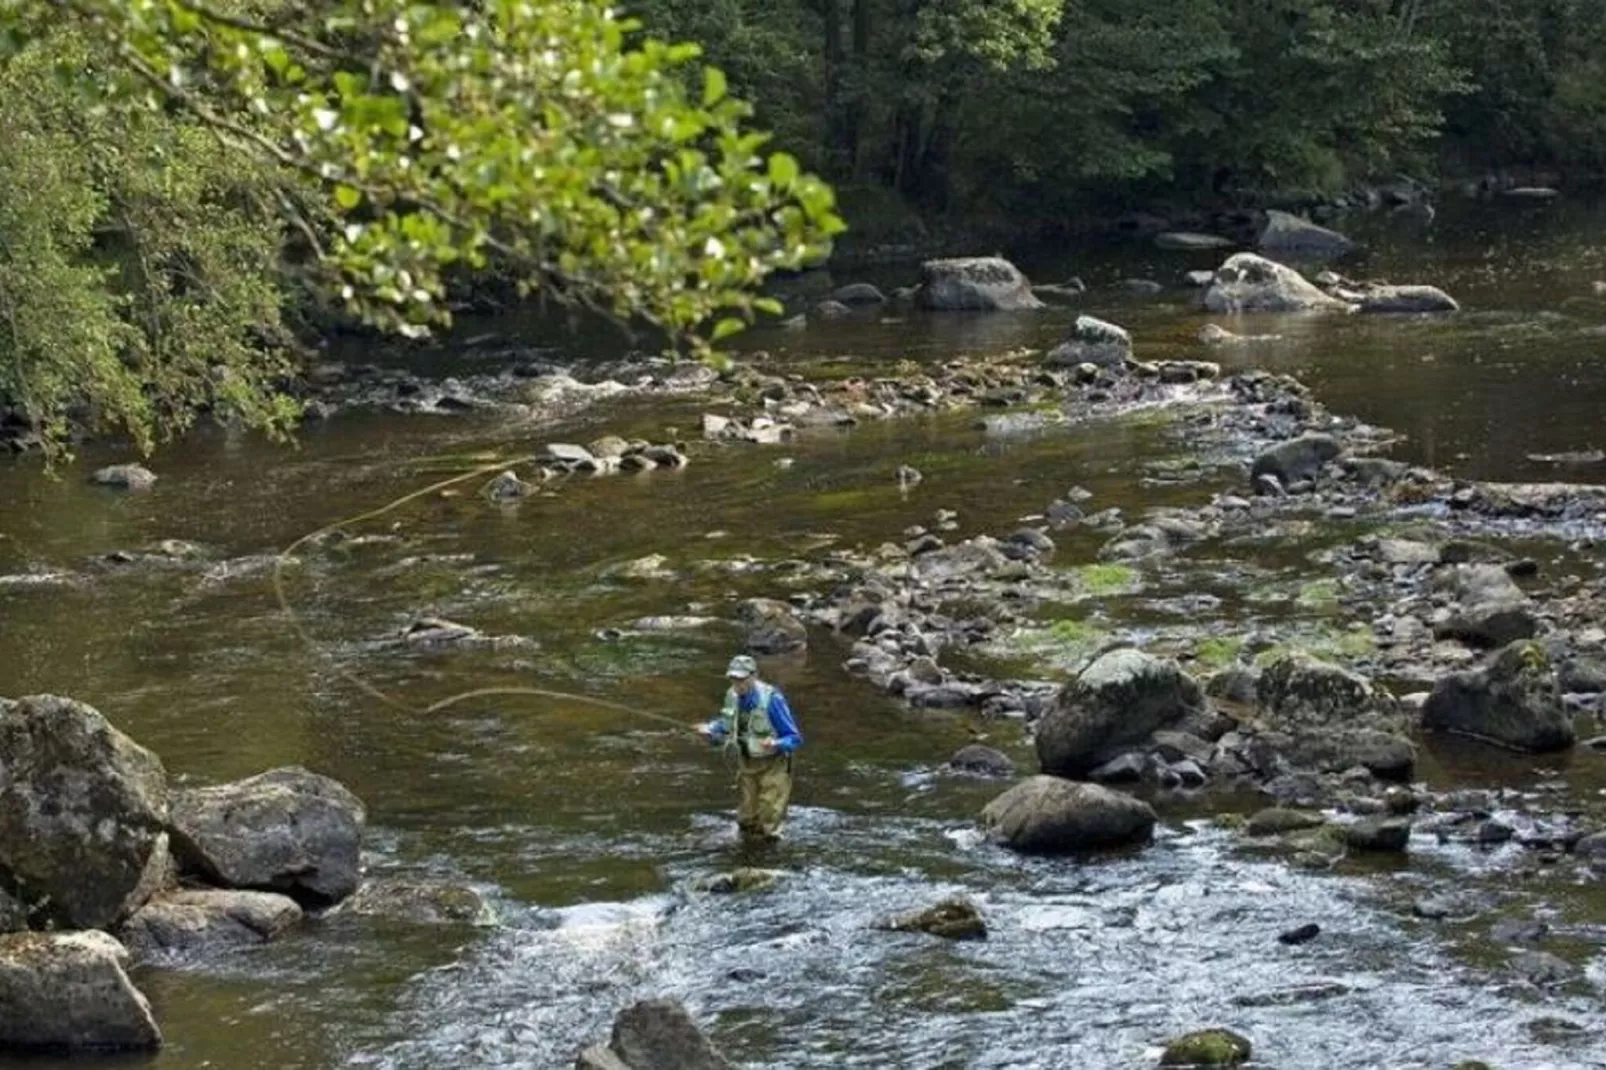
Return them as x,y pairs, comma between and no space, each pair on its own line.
1208,1047
743,879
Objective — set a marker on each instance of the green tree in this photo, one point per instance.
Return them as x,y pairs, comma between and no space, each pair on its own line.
405,141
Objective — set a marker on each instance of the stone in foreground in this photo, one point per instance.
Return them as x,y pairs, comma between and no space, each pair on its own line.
974,284
287,831
1513,702
69,991
209,919
952,919
656,1034
82,812
1047,815
1209,1047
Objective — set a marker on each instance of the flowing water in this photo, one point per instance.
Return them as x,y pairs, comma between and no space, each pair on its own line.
586,827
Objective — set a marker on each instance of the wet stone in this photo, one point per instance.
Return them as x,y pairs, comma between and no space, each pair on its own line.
1278,821
1210,1047
1304,934
1378,834
981,761
1543,969
953,919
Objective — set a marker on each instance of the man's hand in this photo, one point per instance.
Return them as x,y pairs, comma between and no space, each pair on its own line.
767,748
704,730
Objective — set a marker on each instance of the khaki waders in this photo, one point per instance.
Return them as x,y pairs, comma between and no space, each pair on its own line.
765,786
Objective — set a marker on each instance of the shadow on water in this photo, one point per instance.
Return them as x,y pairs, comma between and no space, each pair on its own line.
588,827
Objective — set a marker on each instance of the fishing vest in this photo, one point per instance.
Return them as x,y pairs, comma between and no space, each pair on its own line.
758,726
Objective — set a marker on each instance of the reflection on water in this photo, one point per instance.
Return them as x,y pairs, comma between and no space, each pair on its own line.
586,824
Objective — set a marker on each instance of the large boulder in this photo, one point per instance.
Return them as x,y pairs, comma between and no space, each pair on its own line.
287,830
1406,300
1513,702
656,1034
1290,237
1294,461
1115,704
974,284
1321,717
1490,610
772,627
83,810
209,919
1092,341
1250,283
69,991
1047,815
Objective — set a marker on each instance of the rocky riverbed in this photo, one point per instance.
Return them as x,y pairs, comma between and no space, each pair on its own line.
1263,649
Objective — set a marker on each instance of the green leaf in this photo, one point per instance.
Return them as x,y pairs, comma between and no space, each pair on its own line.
713,86
725,328
783,169
347,198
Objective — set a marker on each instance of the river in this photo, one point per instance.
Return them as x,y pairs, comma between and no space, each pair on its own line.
585,827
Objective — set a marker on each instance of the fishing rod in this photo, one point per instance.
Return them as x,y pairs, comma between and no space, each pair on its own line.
396,702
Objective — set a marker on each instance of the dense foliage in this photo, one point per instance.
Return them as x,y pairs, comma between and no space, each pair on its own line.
189,151
1029,108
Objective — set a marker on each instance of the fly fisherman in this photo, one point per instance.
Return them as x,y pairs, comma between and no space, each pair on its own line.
757,724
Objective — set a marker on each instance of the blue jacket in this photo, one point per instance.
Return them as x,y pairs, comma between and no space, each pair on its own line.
785,733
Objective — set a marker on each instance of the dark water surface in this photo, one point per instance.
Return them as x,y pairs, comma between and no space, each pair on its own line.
586,826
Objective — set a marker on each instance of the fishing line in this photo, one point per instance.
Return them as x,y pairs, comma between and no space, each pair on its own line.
394,701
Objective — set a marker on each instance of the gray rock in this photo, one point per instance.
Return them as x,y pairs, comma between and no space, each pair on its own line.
286,830
1287,235
205,920
420,902
1250,283
70,991
1277,821
124,477
859,293
1183,241
1518,931
772,627
1128,768
1297,460
1115,703
952,919
1407,300
1304,934
1592,849
1390,834
1583,674
1513,702
978,284
655,1034
1047,815
83,810
13,914
1092,341
612,447
981,761
1490,611
1199,279
567,455
1142,287
832,310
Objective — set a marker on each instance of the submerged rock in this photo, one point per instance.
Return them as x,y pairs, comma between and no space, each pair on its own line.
1092,341
1184,241
83,810
656,1034
1276,821
1513,702
952,919
1210,1047
1407,300
1047,815
981,761
69,991
1378,834
1250,283
420,902
741,879
287,830
859,293
1116,703
974,284
124,477
204,920
772,627
507,487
